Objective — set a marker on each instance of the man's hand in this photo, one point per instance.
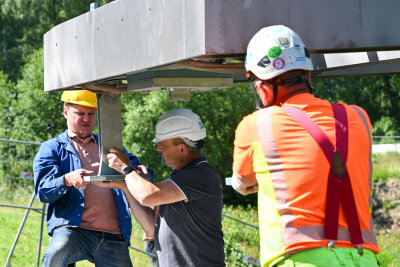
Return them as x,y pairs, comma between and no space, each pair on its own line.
118,159
118,184
75,178
241,187
142,170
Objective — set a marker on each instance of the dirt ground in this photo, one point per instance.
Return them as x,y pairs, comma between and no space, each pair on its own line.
386,204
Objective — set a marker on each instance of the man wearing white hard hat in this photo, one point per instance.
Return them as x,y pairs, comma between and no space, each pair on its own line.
308,159
188,230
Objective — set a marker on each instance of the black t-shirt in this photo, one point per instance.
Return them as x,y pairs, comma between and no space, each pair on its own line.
189,232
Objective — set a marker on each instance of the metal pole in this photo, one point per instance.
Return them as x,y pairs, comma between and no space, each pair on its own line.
20,142
50,128
40,235
39,210
19,231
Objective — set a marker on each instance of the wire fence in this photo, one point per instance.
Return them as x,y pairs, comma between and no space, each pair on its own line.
16,158
242,246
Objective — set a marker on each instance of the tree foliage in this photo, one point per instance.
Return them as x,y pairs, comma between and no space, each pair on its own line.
25,21
34,109
378,95
7,97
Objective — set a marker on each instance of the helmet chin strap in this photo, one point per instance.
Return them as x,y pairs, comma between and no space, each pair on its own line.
275,93
259,103
309,86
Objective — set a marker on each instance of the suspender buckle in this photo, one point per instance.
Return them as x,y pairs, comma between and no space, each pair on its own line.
331,245
360,250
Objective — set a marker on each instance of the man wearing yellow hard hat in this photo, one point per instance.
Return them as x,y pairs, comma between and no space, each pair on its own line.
86,222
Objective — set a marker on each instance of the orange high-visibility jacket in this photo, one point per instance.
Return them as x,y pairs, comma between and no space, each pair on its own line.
292,173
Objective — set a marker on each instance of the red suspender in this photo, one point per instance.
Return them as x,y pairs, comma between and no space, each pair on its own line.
339,185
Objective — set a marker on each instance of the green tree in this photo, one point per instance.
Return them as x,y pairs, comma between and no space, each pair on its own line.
24,22
7,97
34,109
11,32
378,95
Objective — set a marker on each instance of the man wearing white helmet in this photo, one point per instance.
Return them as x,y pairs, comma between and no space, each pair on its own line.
188,230
308,159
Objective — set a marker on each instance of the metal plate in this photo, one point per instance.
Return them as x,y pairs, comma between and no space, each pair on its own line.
106,178
110,129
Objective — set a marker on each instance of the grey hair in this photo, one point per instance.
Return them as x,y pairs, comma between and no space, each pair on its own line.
192,146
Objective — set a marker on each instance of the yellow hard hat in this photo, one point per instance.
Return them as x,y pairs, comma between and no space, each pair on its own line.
80,97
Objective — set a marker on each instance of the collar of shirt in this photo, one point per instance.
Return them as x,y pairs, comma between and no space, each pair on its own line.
192,163
299,99
76,138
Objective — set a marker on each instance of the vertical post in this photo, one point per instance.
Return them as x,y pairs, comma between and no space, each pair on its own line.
40,235
50,127
19,231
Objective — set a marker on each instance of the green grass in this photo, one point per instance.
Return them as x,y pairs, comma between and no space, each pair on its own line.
386,165
389,255
26,249
240,240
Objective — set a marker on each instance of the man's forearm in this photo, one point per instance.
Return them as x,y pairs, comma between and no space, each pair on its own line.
244,184
141,189
145,216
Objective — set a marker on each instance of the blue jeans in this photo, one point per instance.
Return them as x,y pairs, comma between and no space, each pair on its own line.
69,245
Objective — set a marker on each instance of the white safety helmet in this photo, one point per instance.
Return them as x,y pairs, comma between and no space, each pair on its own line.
182,123
274,50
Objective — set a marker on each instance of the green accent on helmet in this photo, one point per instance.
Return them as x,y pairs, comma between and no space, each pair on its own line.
274,51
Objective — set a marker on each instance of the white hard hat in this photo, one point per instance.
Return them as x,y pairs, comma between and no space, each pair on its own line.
274,50
180,122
